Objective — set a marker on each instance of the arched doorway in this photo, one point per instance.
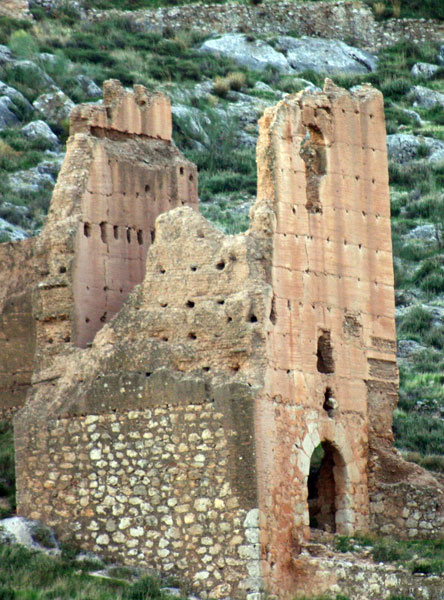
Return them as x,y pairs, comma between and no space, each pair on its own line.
325,487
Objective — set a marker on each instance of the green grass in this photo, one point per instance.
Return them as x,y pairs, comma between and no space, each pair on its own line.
419,556
27,575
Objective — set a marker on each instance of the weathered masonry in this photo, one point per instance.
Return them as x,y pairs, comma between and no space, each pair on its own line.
242,396
120,172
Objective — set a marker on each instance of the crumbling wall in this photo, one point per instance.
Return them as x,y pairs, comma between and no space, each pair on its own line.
126,171
17,330
120,172
182,436
143,449
331,377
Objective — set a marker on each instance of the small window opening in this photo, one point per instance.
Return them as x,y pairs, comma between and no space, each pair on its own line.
147,188
190,304
273,311
153,235
253,319
325,362
181,170
86,229
128,235
330,403
62,269
140,237
220,265
116,232
103,232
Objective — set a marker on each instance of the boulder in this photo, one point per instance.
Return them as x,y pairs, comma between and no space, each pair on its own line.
425,70
408,347
325,56
14,233
17,97
90,88
40,130
424,233
254,54
43,176
54,106
414,116
31,534
425,97
440,56
192,122
403,147
5,55
33,75
7,115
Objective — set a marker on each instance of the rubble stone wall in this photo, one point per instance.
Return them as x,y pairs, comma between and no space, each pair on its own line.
149,486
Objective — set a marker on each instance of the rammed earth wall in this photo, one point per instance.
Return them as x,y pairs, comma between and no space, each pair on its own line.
57,290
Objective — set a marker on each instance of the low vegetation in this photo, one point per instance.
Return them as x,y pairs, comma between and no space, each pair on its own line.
29,575
419,556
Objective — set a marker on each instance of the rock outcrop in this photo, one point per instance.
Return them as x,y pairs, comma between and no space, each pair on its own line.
242,395
18,9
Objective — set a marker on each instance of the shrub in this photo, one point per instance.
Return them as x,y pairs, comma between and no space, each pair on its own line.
23,44
236,80
416,322
221,86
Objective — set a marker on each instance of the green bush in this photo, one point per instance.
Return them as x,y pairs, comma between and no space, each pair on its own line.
23,44
416,322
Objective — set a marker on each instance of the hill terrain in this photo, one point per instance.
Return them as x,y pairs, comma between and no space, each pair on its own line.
219,86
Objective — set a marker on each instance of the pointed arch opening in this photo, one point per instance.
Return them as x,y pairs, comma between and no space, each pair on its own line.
326,488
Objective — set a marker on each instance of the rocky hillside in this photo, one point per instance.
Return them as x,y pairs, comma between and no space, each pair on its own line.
219,85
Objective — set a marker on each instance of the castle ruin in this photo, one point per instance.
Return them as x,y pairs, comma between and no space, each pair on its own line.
176,428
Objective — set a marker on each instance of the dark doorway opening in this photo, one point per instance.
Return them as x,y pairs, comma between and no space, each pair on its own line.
322,492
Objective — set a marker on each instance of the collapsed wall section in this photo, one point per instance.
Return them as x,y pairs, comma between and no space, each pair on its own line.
142,447
121,170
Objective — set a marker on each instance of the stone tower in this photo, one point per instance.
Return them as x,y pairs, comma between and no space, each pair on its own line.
242,397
